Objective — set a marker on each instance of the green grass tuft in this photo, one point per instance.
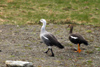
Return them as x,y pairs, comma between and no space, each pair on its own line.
89,31
89,61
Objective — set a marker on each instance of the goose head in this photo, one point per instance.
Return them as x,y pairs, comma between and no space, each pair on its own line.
42,20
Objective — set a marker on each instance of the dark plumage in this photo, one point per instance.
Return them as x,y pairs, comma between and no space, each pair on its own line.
51,40
48,38
76,38
79,39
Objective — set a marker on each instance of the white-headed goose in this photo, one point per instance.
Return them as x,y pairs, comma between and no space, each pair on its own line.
48,38
76,38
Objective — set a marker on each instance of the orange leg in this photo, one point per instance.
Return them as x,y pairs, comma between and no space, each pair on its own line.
79,50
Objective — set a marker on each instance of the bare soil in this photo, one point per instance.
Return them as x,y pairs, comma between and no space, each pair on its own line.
23,43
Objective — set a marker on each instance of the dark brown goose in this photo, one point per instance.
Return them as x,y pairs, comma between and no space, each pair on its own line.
48,38
76,38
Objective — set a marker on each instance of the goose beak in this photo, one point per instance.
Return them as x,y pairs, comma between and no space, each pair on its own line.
39,22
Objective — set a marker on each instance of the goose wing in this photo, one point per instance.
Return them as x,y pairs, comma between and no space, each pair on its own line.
50,39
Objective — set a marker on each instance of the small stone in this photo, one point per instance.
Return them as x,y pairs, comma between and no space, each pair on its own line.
10,63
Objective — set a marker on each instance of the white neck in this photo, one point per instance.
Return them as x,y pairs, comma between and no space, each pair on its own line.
43,27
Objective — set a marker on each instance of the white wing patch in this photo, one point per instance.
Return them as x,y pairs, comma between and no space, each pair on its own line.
49,47
74,37
45,37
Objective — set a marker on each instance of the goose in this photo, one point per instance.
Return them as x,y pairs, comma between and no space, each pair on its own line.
48,38
76,38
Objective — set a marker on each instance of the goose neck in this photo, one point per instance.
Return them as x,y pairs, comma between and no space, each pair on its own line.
43,28
71,30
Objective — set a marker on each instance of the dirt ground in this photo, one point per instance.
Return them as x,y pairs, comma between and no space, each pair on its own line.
23,43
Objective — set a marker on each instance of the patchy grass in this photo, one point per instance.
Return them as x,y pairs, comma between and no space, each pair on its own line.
97,48
12,56
80,58
89,31
89,52
26,45
54,11
89,61
70,44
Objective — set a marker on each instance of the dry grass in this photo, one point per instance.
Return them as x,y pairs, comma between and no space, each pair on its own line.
29,11
9,1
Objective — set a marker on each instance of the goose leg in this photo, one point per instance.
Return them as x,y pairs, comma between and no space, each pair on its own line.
52,53
47,50
49,47
78,50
